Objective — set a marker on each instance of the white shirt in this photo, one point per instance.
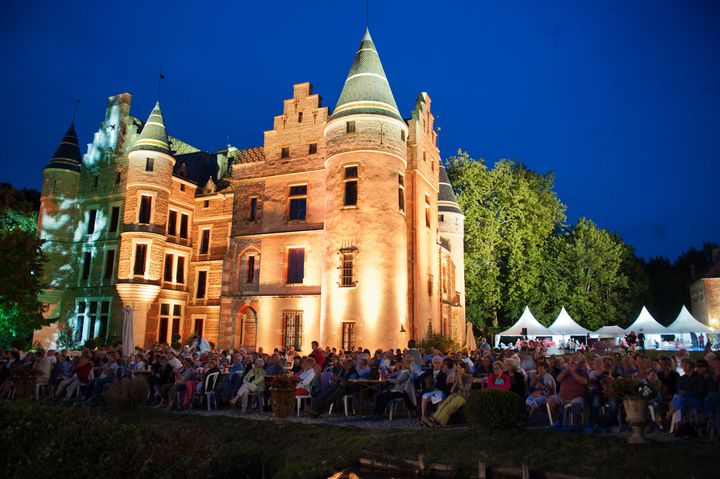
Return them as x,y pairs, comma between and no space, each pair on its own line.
306,379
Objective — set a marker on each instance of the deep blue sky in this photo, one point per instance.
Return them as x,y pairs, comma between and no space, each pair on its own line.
620,99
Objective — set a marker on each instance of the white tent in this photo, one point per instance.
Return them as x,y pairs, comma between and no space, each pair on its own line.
647,324
610,332
527,320
686,323
564,325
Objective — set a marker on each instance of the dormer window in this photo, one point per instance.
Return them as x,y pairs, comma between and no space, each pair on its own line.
285,152
149,164
350,127
313,149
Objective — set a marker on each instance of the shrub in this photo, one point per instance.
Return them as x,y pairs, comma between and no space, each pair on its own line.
442,343
19,343
127,394
495,409
90,344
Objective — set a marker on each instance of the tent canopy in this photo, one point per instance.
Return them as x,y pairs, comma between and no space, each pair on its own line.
610,332
527,320
647,324
566,326
686,323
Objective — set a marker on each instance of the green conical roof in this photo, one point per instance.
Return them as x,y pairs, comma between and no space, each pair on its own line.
366,88
153,136
67,155
446,195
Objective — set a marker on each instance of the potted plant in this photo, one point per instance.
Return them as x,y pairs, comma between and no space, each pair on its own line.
282,392
635,394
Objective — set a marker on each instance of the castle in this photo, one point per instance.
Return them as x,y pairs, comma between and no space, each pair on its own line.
342,227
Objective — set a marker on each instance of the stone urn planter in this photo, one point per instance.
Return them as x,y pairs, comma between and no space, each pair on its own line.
283,402
636,412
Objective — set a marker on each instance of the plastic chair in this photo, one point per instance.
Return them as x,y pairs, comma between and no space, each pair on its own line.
259,397
346,398
398,402
300,399
38,388
209,389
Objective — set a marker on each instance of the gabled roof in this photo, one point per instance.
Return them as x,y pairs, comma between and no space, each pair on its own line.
647,323
610,332
527,320
153,136
366,88
565,325
67,155
446,195
686,323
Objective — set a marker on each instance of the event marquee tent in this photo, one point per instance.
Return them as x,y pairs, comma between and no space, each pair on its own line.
686,323
527,320
564,325
647,324
609,332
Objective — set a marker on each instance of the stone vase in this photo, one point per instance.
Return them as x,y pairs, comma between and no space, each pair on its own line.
283,402
636,412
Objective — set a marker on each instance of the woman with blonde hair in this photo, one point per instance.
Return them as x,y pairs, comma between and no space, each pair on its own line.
397,390
459,394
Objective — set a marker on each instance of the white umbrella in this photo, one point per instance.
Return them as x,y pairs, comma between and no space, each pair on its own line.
127,340
470,338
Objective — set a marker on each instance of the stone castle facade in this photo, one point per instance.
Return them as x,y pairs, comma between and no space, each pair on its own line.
342,227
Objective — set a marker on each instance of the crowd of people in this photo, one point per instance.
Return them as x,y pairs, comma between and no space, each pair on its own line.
576,388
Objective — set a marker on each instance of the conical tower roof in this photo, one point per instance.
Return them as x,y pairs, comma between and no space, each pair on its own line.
67,155
446,195
366,88
153,136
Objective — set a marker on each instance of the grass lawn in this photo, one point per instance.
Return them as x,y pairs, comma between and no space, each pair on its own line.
48,441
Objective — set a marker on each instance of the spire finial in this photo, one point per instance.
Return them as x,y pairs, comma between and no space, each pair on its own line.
161,77
367,14
76,102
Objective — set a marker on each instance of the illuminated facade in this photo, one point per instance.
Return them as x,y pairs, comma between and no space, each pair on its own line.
341,228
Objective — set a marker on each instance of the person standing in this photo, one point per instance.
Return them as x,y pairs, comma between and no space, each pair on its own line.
641,340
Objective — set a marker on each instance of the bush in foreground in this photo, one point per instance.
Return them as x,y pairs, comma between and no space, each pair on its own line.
495,409
127,394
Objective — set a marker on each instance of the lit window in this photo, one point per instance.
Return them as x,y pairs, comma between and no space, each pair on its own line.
149,164
296,265
292,329
348,336
350,127
347,259
351,186
285,152
298,202
313,148
401,192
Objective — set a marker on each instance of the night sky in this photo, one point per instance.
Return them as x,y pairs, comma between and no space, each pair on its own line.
620,99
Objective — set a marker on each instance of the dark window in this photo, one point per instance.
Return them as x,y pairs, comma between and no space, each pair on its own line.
313,148
109,264
182,187
92,314
145,209
351,172
442,218
298,202
114,219
292,330
198,327
163,329
285,152
427,211
167,275
401,192
140,253
205,242
348,336
149,164
118,177
350,127
424,155
296,265
351,188
80,321
201,284
177,314
206,204
251,269
253,209
87,258
96,180
346,269
180,271
184,219
300,117
91,222
172,223
402,135
104,318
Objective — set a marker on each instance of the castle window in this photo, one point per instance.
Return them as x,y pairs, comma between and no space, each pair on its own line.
140,255
351,186
184,220
347,260
114,219
169,262
198,328
430,284
180,270
149,164
172,223
313,149
427,210
92,216
170,318
297,202
424,155
402,135
285,152
206,204
348,336
174,269
296,265
204,241
96,181
118,177
292,329
182,187
201,284
300,117
87,258
250,278
253,210
350,127
88,322
401,192
109,264
145,210
442,218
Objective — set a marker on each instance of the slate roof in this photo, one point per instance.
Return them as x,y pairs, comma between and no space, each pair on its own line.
446,195
366,88
153,136
199,166
67,155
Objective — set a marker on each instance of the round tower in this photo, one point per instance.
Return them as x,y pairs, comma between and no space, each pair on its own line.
365,280
58,217
142,243
451,226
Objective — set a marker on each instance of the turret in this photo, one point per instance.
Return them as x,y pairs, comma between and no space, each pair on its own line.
142,246
451,226
365,268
